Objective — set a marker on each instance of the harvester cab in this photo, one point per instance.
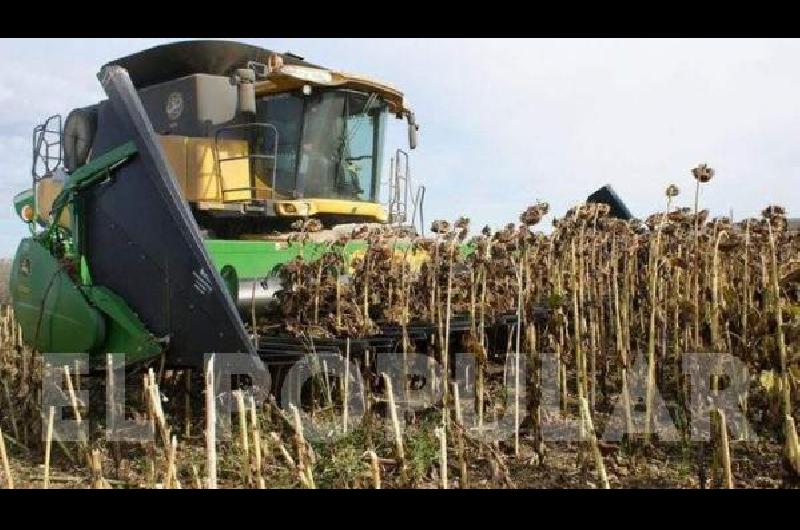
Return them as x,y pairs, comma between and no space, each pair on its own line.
156,214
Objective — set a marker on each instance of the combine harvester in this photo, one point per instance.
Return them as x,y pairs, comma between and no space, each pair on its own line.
157,214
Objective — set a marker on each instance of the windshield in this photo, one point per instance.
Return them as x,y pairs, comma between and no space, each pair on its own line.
329,144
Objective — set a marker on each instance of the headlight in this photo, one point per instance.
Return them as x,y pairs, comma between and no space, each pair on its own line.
27,213
312,75
300,209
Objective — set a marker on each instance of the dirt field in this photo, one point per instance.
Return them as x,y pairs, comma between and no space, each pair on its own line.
343,461
345,464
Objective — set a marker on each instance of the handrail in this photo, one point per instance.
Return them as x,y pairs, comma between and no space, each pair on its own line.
419,200
250,156
40,141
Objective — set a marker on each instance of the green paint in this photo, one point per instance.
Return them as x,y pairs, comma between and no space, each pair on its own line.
54,315
257,259
57,316
125,332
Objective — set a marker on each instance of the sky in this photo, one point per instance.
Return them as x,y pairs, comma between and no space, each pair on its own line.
506,122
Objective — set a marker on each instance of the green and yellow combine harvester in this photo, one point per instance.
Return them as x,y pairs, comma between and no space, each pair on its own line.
158,216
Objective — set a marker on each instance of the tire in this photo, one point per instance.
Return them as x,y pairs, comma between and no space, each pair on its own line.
79,129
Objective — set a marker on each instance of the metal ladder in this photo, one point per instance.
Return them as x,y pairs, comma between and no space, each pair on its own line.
398,187
399,193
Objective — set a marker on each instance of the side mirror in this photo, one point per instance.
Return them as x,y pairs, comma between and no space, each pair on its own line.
245,81
412,131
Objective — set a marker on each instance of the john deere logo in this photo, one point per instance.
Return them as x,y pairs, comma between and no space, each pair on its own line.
174,106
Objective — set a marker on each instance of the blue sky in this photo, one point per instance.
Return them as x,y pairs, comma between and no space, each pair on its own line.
505,122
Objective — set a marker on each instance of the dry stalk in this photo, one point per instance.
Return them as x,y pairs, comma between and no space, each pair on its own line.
47,447
448,315
276,439
787,392
598,457
74,402
302,477
516,360
655,249
6,465
198,482
462,459
211,426
246,476
723,453
157,410
11,415
301,446
792,445
254,425
346,388
442,436
172,477
98,481
187,403
375,469
398,435
626,402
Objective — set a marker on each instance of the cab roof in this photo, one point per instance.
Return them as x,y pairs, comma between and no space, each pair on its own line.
180,59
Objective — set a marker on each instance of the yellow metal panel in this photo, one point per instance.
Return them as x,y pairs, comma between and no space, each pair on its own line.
278,83
47,190
263,188
342,207
175,149
333,206
204,182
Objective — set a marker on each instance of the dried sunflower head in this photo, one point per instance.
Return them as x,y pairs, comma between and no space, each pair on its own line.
462,223
730,242
703,173
679,215
790,272
723,223
747,224
571,213
702,215
653,220
636,225
440,226
530,216
672,190
359,232
587,211
462,227
544,208
422,245
313,225
772,211
779,223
